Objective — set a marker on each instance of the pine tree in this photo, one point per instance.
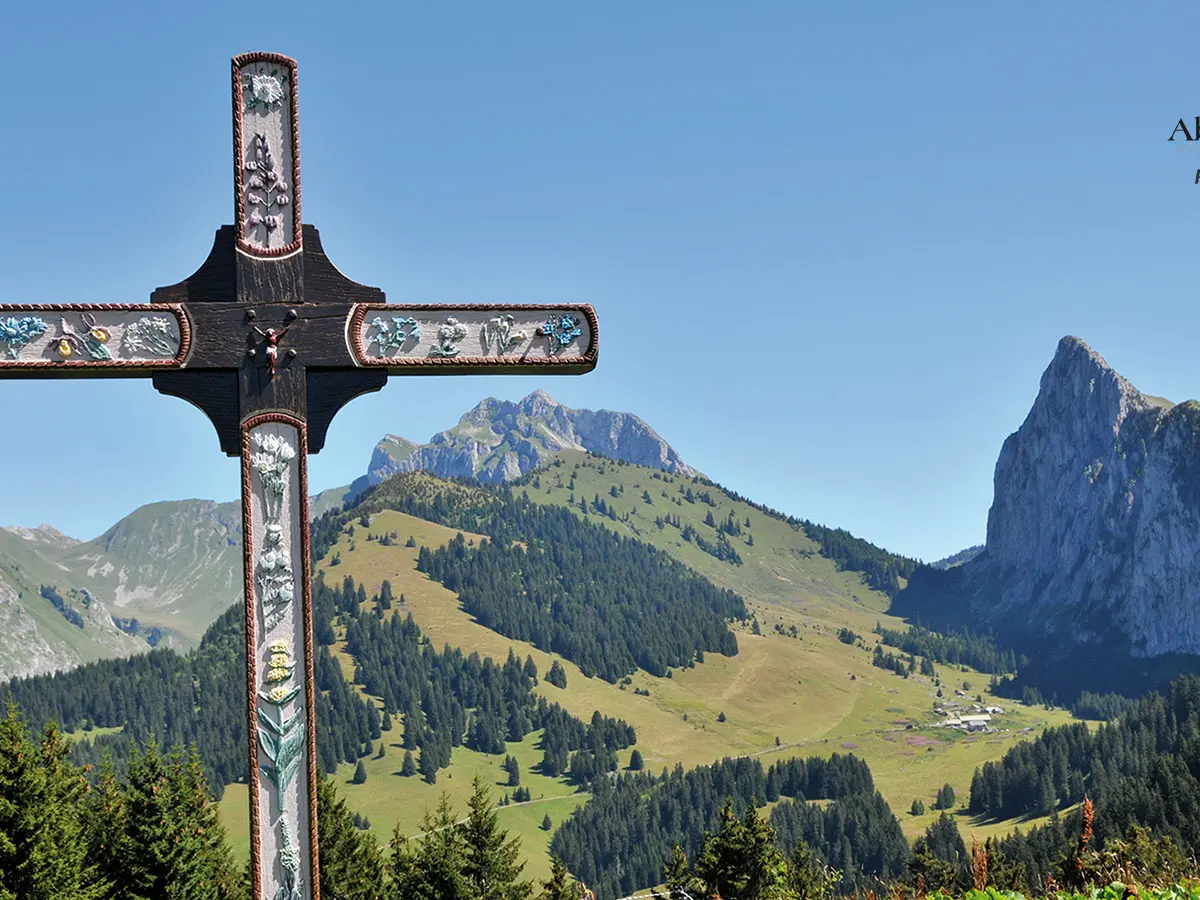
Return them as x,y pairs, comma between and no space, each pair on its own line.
546,823
557,676
636,763
559,885
351,867
807,877
492,862
431,867
43,847
360,773
742,861
531,670
173,844
513,768
428,765
409,766
677,875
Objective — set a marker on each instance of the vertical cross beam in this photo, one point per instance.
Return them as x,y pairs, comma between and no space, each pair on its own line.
274,448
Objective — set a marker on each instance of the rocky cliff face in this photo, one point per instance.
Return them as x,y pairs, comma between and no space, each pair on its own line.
499,441
1094,532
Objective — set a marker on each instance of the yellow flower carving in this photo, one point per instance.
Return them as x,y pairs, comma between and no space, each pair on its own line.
276,675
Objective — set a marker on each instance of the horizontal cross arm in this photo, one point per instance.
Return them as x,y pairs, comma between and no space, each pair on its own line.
475,339
88,340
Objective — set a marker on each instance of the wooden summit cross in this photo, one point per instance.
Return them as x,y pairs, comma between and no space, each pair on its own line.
270,340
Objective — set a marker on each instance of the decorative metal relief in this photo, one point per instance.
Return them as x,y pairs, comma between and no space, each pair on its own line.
500,335
561,332
282,730
479,336
91,341
16,332
266,190
391,338
282,740
105,334
449,333
289,859
268,169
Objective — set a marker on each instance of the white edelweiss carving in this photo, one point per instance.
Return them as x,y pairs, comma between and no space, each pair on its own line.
271,464
266,88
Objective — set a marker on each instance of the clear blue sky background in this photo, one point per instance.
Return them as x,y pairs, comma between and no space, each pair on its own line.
866,225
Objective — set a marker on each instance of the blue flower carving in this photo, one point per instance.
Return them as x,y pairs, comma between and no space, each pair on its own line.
562,332
392,337
19,332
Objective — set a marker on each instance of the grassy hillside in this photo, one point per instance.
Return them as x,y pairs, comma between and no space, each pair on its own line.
810,692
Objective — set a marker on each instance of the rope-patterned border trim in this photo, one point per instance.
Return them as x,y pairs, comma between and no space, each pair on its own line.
251,646
584,363
175,309
239,207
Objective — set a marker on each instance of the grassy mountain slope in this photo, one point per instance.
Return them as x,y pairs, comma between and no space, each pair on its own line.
34,635
812,692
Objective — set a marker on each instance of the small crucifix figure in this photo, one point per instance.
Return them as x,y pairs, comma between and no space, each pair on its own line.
267,276
273,338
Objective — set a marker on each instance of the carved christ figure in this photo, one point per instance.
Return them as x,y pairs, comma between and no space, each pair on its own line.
273,338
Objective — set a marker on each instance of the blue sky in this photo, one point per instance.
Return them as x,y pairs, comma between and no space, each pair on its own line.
832,247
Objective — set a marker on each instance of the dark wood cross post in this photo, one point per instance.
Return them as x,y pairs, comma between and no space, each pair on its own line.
270,341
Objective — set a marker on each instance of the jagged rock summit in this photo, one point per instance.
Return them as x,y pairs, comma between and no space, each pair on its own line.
500,440
1094,531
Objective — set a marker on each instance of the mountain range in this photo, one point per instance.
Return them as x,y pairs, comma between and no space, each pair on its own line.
166,571
1093,537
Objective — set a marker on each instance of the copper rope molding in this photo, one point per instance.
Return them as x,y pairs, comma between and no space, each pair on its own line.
251,656
238,187
361,356
175,309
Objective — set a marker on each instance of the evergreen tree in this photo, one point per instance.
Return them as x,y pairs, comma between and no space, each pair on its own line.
636,763
531,670
918,808
945,797
807,877
431,867
940,858
742,860
557,676
351,867
428,766
513,768
408,767
360,773
492,863
43,850
559,885
172,843
677,875
546,823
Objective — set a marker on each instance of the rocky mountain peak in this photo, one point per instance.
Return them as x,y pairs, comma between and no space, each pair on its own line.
1094,530
44,533
500,440
539,403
